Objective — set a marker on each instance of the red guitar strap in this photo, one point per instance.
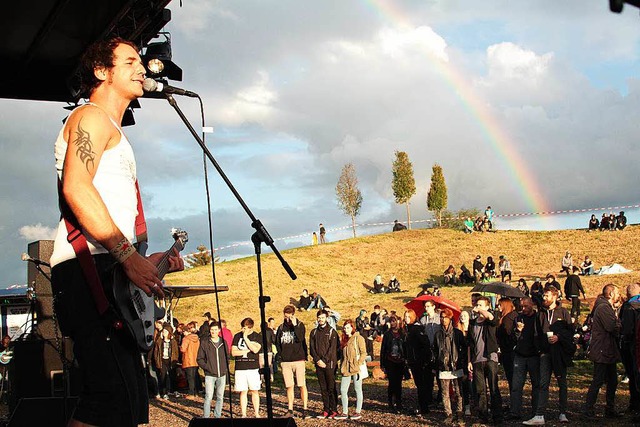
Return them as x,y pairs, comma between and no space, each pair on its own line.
79,243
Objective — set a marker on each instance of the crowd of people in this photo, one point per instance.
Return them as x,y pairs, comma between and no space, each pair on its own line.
609,222
482,272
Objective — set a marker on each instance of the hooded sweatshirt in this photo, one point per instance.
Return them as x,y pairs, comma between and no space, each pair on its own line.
189,348
291,341
211,358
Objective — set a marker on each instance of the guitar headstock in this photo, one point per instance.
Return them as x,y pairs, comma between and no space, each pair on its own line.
181,237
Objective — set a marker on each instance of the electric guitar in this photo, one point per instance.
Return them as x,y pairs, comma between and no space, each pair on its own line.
138,310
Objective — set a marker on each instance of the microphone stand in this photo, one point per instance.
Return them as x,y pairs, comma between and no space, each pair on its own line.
258,238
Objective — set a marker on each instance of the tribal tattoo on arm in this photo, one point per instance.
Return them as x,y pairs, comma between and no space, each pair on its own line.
84,147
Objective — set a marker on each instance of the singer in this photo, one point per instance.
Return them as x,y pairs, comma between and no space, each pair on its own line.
97,169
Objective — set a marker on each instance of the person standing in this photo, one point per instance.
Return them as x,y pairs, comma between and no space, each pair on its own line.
323,231
212,359
392,362
96,169
226,335
450,351
525,360
203,331
165,356
483,359
418,358
323,346
505,337
554,340
572,290
245,348
430,321
353,358
629,318
488,213
314,239
291,343
189,349
603,350
271,341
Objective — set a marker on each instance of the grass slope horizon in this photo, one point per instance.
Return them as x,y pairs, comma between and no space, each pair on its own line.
340,270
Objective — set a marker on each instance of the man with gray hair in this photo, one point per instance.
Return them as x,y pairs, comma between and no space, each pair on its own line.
603,350
629,317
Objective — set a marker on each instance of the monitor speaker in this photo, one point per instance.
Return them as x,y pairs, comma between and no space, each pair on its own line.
241,422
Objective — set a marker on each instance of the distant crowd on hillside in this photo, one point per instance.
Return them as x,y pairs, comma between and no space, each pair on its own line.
608,222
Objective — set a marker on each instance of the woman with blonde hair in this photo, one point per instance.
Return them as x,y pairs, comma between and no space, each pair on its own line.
506,340
463,326
354,353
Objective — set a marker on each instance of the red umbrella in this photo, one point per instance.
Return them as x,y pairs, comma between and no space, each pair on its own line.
417,305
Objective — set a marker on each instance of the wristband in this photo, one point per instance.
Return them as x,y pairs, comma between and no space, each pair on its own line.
122,250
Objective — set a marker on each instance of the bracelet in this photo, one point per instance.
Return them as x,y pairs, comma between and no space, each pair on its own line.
122,250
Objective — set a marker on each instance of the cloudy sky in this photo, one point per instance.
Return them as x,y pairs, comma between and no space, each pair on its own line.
528,106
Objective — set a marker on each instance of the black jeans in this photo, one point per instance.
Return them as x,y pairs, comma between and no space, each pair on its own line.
603,372
504,274
521,366
418,373
114,380
507,365
395,372
191,373
327,380
164,380
575,306
483,373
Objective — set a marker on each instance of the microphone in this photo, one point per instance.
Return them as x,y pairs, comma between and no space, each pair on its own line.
151,85
36,261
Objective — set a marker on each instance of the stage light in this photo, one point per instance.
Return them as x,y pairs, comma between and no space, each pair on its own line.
157,59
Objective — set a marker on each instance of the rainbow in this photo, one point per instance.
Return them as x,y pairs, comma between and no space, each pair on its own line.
494,134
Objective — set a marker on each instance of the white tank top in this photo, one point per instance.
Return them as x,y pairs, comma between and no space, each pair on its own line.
115,181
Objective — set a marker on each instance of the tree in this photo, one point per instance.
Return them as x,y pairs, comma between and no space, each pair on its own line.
200,258
403,184
437,195
348,194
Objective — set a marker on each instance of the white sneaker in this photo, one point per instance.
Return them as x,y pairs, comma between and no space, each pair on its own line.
563,418
538,420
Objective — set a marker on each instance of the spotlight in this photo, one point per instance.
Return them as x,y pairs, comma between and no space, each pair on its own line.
157,59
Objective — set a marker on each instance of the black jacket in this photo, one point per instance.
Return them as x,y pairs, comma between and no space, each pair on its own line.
212,358
506,340
488,334
386,349
418,348
323,345
450,358
605,329
291,342
573,286
524,341
560,316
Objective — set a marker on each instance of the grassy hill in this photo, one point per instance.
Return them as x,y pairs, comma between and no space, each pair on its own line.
338,270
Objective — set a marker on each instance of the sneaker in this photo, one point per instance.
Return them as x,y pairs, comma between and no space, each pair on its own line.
356,416
304,414
342,416
538,420
333,415
289,414
563,418
324,415
165,396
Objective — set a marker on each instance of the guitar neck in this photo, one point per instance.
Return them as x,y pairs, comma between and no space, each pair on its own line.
163,265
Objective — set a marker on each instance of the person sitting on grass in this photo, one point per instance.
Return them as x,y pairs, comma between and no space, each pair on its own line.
450,277
309,302
594,224
468,225
621,221
465,276
378,285
394,284
586,267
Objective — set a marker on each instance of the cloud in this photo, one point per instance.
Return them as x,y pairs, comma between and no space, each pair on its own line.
37,232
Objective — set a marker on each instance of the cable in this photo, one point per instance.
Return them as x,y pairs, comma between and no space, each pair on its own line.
213,264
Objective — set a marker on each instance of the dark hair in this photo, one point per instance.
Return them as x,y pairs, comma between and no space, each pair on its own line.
485,299
322,311
247,321
289,309
214,323
100,54
607,290
270,319
345,339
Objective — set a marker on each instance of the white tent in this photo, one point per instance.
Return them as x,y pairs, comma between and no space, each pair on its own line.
612,269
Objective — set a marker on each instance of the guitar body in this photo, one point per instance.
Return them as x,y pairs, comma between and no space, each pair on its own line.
139,311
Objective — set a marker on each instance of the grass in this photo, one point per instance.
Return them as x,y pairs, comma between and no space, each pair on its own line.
339,270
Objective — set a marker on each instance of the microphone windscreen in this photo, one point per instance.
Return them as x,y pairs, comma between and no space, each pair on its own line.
149,85
25,257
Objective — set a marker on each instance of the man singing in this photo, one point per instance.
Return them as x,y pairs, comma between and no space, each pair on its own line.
97,169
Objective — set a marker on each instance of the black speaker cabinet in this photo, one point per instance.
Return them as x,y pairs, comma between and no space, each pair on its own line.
42,250
241,422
